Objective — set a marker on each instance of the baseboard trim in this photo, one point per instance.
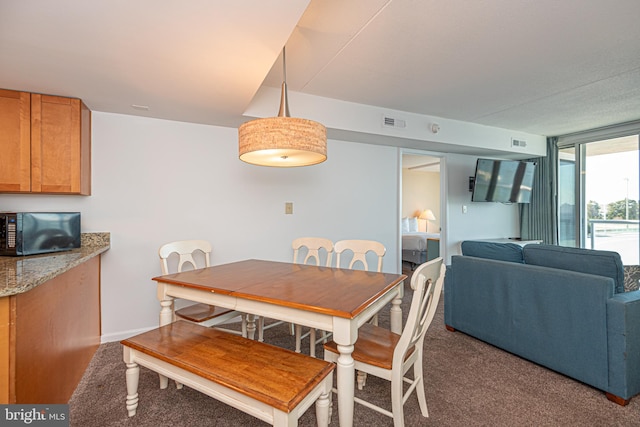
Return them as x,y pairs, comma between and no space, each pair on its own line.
122,335
119,336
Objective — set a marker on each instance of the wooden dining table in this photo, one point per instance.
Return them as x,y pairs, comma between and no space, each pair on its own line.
331,299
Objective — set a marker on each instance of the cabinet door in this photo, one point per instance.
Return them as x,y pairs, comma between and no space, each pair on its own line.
15,141
60,146
57,325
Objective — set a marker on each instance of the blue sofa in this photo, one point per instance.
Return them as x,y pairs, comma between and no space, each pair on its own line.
562,308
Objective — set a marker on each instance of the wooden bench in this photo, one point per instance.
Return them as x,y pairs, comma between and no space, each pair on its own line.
271,383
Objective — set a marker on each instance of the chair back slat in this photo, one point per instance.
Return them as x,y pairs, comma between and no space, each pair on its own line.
313,246
185,250
427,282
360,248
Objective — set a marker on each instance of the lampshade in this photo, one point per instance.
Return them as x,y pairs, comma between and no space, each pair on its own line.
428,215
282,141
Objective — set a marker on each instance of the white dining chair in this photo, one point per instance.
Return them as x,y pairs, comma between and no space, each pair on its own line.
359,250
389,356
313,249
207,315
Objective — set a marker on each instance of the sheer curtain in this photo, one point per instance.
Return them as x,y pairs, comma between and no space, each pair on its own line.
538,219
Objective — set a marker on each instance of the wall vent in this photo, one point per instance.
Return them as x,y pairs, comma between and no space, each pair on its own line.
518,142
391,122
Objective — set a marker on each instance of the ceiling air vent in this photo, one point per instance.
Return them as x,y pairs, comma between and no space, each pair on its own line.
518,142
390,122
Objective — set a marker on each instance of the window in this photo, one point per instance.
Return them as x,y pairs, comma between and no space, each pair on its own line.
598,195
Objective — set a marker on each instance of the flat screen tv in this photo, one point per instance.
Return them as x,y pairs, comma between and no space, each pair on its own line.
504,181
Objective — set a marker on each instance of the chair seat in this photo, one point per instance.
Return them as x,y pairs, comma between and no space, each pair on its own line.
375,346
201,312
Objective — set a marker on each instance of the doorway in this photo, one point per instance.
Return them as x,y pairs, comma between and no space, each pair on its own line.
420,208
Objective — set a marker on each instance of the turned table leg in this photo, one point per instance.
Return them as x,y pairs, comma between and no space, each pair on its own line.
132,376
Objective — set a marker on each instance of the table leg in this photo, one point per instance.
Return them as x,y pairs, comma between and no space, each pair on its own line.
251,326
166,311
345,385
396,314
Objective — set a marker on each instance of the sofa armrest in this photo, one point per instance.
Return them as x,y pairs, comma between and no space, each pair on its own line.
623,330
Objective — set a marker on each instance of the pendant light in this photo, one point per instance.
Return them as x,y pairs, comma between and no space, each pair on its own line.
282,141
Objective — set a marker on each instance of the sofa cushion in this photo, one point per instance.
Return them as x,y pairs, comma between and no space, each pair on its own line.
492,250
589,261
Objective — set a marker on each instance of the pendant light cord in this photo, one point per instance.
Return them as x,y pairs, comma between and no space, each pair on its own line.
284,65
284,99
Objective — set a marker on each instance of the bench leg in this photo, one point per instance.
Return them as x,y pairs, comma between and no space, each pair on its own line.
322,409
132,377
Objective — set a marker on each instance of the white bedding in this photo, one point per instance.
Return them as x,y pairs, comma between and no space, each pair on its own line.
417,240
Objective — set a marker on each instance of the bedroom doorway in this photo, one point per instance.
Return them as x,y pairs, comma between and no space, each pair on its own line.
420,208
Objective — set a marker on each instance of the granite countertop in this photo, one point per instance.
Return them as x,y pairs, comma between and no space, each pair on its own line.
23,273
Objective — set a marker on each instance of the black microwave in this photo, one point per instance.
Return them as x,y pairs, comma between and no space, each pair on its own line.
30,233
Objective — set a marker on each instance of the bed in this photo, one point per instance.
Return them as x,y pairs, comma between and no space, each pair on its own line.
418,247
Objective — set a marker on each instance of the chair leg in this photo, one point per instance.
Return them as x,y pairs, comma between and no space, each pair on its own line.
323,410
396,402
298,338
362,379
422,399
261,328
312,342
164,381
374,320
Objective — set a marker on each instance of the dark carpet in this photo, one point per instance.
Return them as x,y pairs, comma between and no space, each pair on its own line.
468,383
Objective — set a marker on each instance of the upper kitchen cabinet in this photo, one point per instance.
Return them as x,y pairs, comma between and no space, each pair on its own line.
15,141
46,144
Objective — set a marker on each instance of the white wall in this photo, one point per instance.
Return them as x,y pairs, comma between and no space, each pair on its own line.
359,119
482,220
420,191
155,181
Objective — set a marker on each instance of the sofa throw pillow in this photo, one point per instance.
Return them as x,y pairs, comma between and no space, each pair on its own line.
413,225
499,251
589,261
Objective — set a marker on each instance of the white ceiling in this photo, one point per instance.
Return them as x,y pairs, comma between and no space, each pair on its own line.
545,67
